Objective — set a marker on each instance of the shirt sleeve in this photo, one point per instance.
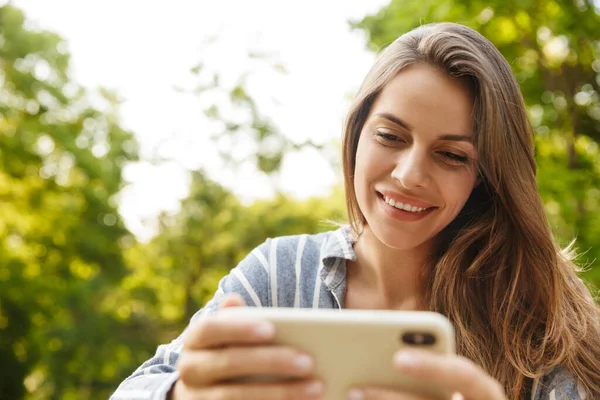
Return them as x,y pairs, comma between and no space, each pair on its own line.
155,377
560,384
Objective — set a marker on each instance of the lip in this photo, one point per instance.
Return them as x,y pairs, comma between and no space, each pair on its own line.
402,215
406,200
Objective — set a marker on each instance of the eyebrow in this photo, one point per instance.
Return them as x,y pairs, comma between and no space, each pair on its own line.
408,127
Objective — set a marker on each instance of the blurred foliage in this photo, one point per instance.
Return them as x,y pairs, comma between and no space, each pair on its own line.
242,133
83,303
60,167
553,47
177,272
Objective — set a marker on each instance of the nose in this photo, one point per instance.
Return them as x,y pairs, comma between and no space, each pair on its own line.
412,170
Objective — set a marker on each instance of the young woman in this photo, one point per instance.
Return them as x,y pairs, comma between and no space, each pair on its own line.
444,215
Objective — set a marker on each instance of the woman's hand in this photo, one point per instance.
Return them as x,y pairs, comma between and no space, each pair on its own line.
454,373
220,354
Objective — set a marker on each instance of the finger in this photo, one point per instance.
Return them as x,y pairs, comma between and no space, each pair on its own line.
455,373
216,332
202,368
274,391
375,393
232,300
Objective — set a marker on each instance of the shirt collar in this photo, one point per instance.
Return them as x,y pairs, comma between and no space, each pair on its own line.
337,249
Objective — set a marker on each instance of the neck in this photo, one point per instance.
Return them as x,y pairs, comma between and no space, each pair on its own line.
393,277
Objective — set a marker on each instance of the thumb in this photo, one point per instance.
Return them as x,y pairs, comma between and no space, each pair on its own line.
232,300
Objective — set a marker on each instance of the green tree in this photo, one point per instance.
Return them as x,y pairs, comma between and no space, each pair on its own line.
60,167
177,272
552,46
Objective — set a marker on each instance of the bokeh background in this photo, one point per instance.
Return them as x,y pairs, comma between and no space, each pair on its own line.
146,147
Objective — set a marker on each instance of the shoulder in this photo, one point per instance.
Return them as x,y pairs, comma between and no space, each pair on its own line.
320,245
560,383
282,249
278,272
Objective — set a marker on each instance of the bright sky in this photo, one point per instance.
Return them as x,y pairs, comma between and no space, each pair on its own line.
143,49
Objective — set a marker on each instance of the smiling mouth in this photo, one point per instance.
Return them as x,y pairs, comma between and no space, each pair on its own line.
404,206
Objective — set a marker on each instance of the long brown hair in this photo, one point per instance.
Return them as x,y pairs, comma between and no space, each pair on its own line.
518,307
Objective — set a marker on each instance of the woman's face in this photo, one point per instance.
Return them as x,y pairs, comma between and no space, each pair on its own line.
415,151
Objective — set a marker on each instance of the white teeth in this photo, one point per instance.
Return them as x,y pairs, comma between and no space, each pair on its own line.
405,207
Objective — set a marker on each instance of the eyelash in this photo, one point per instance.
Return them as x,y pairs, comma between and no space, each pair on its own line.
387,137
454,158
448,157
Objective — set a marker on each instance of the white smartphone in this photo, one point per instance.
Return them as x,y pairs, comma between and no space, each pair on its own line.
355,347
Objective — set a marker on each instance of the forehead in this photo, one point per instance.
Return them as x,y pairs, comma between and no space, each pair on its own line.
428,100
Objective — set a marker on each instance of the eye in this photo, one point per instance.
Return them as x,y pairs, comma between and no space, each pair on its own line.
453,158
385,137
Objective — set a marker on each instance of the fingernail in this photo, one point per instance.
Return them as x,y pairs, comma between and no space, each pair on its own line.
356,394
264,330
303,363
314,388
405,359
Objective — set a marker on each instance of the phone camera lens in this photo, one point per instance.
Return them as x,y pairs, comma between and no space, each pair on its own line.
418,338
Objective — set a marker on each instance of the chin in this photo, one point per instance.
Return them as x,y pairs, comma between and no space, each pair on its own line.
398,240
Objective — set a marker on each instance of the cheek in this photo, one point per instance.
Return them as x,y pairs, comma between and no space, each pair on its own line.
361,166
457,191
365,173
371,161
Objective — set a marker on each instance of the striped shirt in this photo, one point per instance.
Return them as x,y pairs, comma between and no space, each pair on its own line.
307,271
